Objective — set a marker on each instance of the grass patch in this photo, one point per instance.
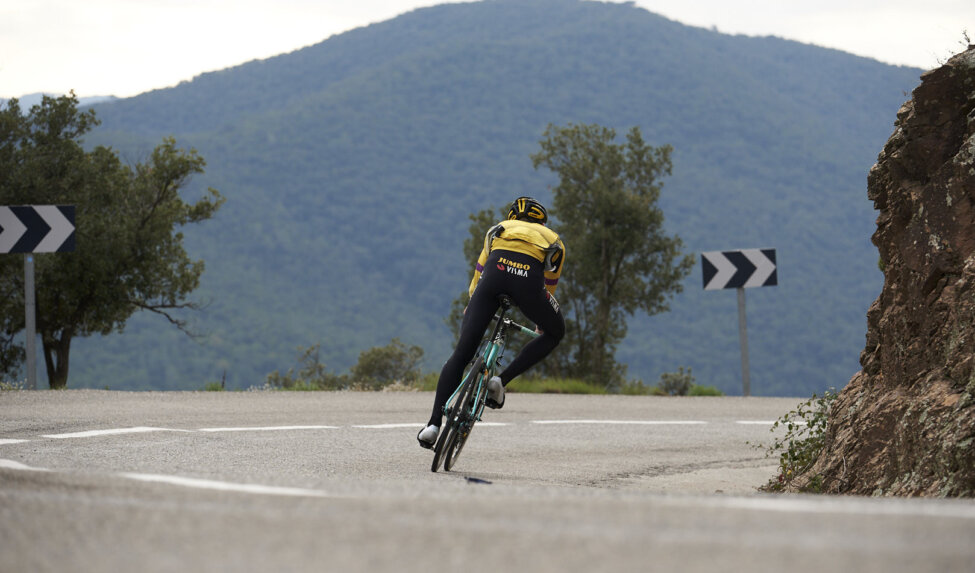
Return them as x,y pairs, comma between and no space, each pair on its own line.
553,386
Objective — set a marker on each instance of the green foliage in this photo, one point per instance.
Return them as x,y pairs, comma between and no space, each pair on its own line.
395,363
427,382
213,387
704,391
804,440
554,386
622,260
638,388
677,383
6,386
377,368
130,255
311,374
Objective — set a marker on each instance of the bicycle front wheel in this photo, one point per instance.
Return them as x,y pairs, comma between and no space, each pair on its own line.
459,420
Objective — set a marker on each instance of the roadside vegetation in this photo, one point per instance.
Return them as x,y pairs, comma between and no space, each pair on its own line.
395,367
800,446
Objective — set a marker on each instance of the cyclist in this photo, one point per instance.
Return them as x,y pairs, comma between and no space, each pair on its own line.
523,259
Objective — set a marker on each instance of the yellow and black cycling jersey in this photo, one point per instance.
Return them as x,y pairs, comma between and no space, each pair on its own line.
533,239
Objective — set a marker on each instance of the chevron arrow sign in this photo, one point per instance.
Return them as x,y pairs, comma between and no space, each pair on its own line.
739,269
37,229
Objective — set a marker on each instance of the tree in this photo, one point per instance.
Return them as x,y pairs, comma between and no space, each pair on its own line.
129,255
618,258
381,366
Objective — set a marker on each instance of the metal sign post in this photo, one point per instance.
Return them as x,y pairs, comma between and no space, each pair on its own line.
29,304
746,383
740,270
35,229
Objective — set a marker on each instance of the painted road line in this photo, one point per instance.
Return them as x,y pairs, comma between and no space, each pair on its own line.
768,422
11,441
226,486
112,432
389,426
268,428
12,465
633,422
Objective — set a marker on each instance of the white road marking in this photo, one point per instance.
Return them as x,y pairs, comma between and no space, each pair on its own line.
12,465
389,426
634,422
227,486
112,432
268,428
845,505
145,429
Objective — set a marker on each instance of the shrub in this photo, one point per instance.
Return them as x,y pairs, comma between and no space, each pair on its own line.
395,363
14,385
676,383
312,374
802,443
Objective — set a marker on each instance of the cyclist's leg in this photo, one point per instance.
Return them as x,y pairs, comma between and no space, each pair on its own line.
541,308
482,307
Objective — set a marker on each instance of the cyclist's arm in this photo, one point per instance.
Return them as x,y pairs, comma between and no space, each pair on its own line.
552,276
478,269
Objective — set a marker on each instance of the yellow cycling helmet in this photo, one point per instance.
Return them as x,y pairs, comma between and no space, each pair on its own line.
528,209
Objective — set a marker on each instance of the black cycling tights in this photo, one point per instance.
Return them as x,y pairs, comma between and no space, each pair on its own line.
519,276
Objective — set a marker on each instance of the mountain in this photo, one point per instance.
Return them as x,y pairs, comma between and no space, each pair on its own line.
350,168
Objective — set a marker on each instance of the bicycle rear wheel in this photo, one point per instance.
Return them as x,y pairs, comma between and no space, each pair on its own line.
458,416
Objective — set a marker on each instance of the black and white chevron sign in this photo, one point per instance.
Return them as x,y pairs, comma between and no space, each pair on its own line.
37,229
739,269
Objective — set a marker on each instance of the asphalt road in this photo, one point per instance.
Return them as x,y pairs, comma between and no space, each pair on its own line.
115,481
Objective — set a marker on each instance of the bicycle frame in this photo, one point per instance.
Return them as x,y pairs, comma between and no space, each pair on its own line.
492,355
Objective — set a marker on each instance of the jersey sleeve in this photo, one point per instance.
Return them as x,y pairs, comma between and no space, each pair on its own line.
479,266
558,262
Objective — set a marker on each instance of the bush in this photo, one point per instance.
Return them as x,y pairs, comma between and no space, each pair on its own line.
676,383
312,374
382,366
14,385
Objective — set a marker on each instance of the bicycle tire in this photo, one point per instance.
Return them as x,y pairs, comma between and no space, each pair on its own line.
464,431
453,417
443,444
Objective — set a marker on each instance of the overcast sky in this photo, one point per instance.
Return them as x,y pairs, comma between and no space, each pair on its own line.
126,47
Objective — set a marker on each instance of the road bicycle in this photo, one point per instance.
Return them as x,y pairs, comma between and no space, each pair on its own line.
465,405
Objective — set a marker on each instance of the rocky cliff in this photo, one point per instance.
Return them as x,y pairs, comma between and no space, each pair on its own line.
905,424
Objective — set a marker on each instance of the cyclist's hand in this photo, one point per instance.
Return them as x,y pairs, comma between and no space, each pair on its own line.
538,330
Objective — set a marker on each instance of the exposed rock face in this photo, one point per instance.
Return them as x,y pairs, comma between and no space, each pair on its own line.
905,424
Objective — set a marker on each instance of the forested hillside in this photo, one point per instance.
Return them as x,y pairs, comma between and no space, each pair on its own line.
349,168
